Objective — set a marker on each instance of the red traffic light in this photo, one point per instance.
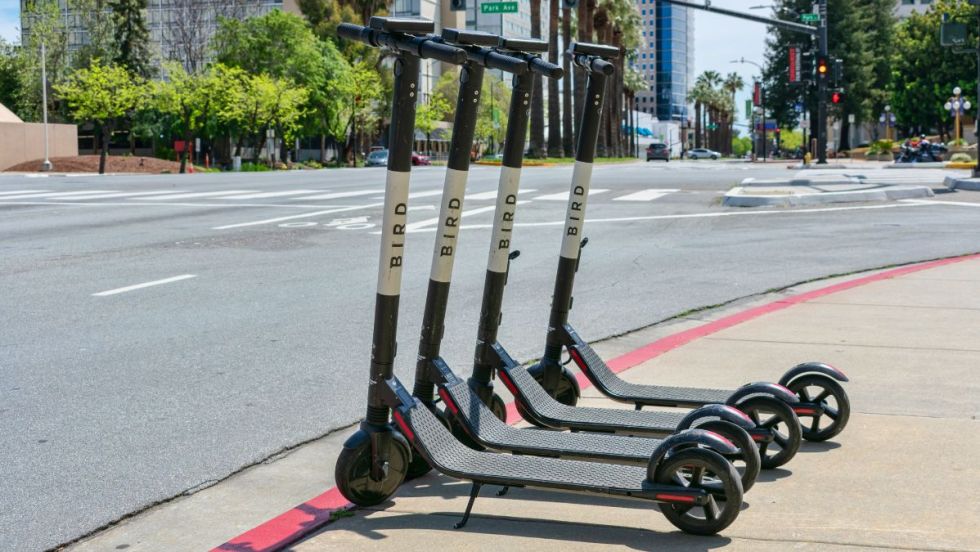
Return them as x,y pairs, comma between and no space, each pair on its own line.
837,97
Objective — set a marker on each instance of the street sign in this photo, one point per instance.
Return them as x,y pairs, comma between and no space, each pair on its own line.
952,34
798,107
810,18
748,109
498,7
795,73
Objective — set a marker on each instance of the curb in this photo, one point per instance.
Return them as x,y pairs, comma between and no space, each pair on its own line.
953,183
739,197
312,515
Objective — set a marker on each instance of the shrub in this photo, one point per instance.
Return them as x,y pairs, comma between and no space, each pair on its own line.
255,167
880,147
961,158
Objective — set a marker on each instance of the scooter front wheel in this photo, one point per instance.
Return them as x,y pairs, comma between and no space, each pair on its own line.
832,406
776,416
746,461
353,471
566,389
707,470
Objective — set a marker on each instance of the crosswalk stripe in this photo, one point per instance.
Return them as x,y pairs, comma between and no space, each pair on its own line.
564,195
645,195
196,194
54,194
415,226
18,192
111,195
493,195
263,195
416,195
338,195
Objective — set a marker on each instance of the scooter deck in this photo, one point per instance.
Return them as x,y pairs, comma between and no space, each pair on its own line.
547,411
614,387
449,456
487,430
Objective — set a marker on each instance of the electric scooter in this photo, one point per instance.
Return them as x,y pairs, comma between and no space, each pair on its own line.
699,490
471,421
490,358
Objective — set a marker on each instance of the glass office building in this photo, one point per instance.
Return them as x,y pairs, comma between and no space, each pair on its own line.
666,59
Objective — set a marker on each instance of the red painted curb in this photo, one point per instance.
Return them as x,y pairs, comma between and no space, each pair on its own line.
302,520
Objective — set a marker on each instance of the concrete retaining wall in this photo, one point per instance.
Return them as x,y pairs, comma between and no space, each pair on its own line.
21,142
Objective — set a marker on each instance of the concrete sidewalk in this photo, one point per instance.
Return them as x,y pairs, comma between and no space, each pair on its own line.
903,475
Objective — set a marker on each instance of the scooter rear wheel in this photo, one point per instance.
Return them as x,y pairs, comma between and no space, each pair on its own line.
353,472
832,399
703,469
777,416
749,461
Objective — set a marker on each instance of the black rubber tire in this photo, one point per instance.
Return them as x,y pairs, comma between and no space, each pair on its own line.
724,484
748,451
353,472
567,391
778,415
418,466
498,407
832,389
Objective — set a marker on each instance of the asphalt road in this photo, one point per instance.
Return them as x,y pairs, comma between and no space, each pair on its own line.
255,335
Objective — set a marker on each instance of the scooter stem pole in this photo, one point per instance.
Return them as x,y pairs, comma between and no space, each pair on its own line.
484,361
400,137
443,255
561,300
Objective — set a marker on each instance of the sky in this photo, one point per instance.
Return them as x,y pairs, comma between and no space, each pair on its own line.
718,39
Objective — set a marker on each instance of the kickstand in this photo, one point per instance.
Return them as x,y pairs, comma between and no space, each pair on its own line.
503,491
638,407
474,492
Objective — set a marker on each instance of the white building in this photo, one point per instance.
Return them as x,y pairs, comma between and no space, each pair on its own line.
905,8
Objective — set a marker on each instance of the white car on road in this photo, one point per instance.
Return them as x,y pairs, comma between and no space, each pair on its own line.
702,153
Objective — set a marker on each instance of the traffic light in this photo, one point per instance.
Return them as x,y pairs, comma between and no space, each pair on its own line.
822,68
457,5
837,97
838,71
806,66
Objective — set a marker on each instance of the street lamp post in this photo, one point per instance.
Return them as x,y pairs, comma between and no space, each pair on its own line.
957,106
762,108
46,165
888,119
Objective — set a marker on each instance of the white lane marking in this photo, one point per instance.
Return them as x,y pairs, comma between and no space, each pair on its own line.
52,195
493,195
564,195
645,195
703,215
415,195
930,202
263,195
174,204
35,176
170,196
417,226
339,195
293,217
122,194
144,285
19,192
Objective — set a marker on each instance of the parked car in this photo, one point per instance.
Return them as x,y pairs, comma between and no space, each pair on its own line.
419,159
658,151
702,153
377,158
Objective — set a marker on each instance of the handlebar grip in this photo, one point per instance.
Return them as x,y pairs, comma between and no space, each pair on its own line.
603,66
442,52
506,63
549,70
351,31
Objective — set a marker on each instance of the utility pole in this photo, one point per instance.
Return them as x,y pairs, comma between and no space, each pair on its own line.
46,166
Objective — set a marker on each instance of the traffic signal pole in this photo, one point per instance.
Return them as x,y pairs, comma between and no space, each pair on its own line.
821,33
822,48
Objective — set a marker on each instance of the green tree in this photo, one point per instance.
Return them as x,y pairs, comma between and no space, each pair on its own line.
428,115
101,94
733,84
132,37
98,22
924,73
536,143
46,25
188,99
258,103
9,69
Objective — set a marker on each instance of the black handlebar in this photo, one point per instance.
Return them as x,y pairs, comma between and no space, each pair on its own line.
506,63
549,70
421,46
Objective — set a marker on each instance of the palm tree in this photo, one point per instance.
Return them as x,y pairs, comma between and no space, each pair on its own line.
700,95
568,116
633,82
554,106
733,83
536,142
